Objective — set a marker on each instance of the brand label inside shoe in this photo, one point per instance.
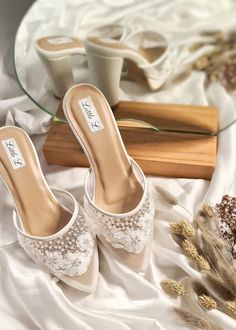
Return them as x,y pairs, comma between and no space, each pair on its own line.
14,154
60,41
90,114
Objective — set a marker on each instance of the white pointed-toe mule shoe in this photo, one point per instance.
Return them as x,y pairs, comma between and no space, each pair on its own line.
147,55
51,227
56,51
117,201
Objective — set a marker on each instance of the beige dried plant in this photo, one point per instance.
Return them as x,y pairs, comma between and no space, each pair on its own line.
202,263
194,321
166,195
231,307
207,302
189,249
173,288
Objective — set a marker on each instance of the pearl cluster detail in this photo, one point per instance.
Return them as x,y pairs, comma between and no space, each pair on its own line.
67,254
124,232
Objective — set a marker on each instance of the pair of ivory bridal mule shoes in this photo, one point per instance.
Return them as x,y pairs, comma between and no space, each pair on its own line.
52,227
112,53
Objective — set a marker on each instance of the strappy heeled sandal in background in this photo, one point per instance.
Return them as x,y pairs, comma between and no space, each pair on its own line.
51,227
147,54
117,199
55,53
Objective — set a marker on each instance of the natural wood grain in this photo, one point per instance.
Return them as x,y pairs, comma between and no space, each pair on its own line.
165,154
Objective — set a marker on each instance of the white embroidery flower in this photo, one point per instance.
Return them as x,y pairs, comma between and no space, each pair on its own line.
85,241
78,263
135,240
55,262
58,256
131,239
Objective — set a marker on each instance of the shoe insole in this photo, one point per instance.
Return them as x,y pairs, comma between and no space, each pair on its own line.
117,189
150,54
39,210
57,43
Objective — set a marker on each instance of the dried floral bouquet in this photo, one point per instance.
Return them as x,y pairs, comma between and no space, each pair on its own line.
209,244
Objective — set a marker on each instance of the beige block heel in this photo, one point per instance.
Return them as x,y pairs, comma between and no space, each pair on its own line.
56,51
147,55
60,73
105,73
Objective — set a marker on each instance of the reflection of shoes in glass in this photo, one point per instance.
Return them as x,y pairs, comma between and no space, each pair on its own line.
117,199
147,55
55,53
51,226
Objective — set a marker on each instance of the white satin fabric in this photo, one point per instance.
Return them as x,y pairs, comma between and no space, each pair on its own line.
31,299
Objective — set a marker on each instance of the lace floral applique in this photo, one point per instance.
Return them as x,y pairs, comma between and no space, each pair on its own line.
129,233
67,254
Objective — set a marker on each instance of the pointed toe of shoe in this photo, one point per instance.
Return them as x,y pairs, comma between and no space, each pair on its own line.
87,281
138,262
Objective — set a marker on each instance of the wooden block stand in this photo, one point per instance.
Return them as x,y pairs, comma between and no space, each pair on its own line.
169,154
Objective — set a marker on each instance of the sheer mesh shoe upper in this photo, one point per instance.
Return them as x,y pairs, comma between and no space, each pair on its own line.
68,252
129,231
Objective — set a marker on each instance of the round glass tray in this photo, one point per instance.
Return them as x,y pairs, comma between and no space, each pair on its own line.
75,18
71,18
45,19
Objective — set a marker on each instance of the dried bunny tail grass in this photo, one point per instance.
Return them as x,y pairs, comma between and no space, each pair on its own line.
178,238
189,249
229,277
199,288
231,307
223,248
193,320
219,287
175,228
207,302
206,245
187,229
198,221
203,295
166,195
202,263
207,210
220,244
182,228
173,288
170,198
210,252
197,241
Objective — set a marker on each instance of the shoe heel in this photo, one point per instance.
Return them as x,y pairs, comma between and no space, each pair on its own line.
60,72
105,74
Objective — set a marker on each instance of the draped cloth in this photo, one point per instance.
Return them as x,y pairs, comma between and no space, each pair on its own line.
33,299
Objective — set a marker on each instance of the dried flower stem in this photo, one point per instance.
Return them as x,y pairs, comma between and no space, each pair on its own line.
195,321
203,230
215,246
222,290
166,195
183,207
